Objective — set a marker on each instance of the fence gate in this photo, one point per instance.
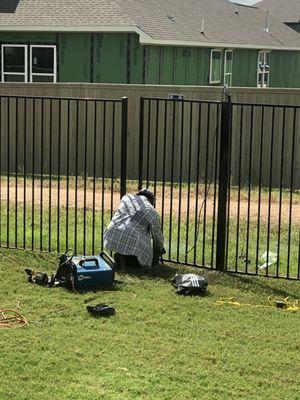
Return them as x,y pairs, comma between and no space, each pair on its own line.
227,181
60,164
179,154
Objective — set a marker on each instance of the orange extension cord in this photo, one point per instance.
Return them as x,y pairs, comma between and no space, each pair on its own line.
11,319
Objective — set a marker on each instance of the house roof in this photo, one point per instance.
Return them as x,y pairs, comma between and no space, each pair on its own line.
284,10
162,22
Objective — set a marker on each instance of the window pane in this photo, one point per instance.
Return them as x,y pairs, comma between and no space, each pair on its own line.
260,80
260,66
41,78
43,60
14,59
216,66
228,62
261,57
266,80
267,59
14,78
228,79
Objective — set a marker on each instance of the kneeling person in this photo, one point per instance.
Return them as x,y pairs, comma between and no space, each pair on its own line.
131,229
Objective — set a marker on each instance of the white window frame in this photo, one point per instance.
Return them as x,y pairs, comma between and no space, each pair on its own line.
54,74
227,73
210,69
264,72
3,73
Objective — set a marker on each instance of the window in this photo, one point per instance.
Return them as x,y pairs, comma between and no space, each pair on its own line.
42,63
14,63
228,67
263,69
215,66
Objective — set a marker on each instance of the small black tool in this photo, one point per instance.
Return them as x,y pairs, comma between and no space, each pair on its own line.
101,310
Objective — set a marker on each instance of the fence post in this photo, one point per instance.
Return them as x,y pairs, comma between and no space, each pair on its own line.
124,132
224,174
141,143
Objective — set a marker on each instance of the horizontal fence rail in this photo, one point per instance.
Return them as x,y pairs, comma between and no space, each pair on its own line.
60,161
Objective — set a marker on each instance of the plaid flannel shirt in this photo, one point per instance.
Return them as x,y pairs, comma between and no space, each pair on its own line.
131,229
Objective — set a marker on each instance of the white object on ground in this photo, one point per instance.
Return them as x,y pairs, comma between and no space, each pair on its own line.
268,259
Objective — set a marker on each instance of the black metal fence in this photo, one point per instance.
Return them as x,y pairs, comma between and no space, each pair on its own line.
61,163
226,177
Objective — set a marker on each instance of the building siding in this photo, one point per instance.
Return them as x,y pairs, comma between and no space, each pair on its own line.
285,69
244,68
119,58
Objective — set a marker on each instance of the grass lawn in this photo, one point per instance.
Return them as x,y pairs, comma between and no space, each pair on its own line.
53,231
158,346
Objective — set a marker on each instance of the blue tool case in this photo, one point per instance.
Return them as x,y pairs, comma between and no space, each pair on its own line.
93,271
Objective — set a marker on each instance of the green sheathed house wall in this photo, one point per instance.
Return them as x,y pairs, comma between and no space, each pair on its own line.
244,68
109,57
28,37
74,57
120,58
285,69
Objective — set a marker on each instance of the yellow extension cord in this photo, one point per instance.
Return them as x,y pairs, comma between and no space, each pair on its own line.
284,305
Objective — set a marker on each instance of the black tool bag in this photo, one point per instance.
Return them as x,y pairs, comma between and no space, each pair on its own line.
190,284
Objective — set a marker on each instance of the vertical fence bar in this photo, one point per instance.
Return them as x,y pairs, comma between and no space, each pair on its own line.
180,179
223,183
148,143
42,172
94,175
205,184
32,175
259,186
8,174
291,192
16,172
141,143
50,174
103,171
249,191
197,217
239,190
156,146
58,175
216,144
228,194
68,175
164,165
85,174
280,191
113,160
189,185
76,176
124,133
270,188
172,179
24,173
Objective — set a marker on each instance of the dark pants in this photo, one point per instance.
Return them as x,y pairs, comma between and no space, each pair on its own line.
123,261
